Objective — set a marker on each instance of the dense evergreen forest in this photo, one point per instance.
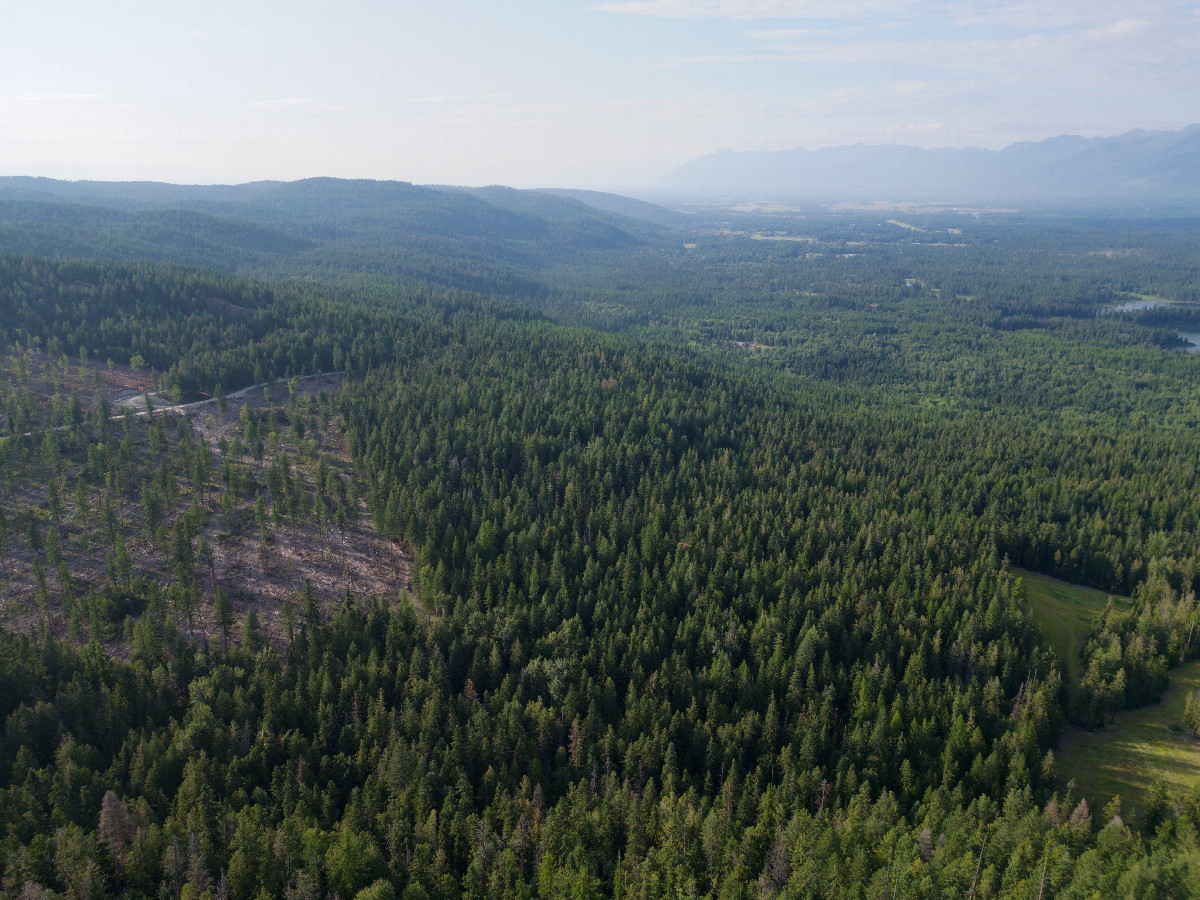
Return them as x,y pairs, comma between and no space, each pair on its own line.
712,531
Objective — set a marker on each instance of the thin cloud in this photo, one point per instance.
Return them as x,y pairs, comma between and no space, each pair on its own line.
58,97
732,59
1032,15
794,35
914,128
754,9
285,103
1112,53
776,35
1021,15
1124,28
452,98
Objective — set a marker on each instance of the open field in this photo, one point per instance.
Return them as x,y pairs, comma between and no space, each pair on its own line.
1065,612
799,238
1141,746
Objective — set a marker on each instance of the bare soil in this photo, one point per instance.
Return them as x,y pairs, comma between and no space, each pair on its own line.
265,578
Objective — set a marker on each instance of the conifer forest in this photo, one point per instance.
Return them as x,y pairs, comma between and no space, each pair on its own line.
364,540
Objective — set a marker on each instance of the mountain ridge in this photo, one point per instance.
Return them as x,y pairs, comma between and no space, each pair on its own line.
1134,167
350,224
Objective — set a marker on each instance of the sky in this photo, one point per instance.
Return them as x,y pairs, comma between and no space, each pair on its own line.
607,94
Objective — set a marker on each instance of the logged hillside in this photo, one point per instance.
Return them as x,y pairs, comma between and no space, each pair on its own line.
212,509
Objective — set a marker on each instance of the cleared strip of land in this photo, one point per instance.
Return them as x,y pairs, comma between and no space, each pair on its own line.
1065,612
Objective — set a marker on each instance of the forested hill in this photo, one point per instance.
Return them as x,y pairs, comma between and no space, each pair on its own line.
625,206
715,601
492,240
128,195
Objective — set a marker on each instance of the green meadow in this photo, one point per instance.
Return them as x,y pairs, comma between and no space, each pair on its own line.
1065,612
1140,747
1126,757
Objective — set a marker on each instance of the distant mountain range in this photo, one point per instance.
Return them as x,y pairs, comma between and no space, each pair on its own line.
1139,167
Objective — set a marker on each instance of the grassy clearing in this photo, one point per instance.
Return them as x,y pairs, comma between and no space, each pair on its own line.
1065,612
797,238
1141,746
1144,745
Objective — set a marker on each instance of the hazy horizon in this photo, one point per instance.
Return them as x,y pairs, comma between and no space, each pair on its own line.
599,95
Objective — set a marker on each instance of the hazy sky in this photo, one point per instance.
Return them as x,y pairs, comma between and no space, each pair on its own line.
580,93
